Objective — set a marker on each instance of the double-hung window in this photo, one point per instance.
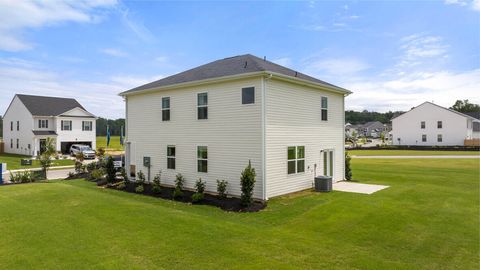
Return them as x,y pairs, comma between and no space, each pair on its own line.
424,138
171,157
202,159
18,143
439,124
422,125
87,125
11,125
66,125
439,138
18,125
296,159
166,109
324,109
11,143
202,106
42,123
248,95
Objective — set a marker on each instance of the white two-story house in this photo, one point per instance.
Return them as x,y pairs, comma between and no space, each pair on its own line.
429,124
210,121
30,120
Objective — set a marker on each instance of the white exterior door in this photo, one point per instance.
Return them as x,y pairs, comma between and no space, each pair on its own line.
328,159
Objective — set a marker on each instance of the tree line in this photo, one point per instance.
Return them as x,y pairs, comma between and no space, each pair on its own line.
115,126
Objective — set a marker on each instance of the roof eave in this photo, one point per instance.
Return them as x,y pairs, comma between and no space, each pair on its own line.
238,76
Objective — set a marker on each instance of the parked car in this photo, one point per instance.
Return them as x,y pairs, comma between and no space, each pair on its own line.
118,161
80,148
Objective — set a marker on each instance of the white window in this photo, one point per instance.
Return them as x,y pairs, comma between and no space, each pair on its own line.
11,143
87,125
166,109
42,123
202,106
11,126
18,143
18,126
296,159
328,161
439,138
248,95
171,157
424,138
66,125
439,124
422,125
324,109
202,159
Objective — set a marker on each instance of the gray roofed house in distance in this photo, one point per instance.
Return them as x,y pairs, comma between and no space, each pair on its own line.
232,66
48,106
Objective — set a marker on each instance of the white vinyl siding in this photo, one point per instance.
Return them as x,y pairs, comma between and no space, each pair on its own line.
233,134
293,118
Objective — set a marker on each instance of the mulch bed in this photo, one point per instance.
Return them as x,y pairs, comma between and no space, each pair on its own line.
228,204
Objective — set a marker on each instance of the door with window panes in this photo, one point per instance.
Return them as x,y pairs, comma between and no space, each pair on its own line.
328,162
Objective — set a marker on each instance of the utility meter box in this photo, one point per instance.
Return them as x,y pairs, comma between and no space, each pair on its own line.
146,161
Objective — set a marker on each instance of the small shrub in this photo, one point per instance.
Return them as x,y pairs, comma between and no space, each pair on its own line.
91,166
111,172
247,181
140,178
156,188
121,186
139,189
197,197
78,166
80,157
123,173
179,182
101,152
98,174
222,188
22,177
71,175
348,169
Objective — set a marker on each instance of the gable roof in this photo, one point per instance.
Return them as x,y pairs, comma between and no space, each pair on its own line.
48,106
427,102
237,65
473,114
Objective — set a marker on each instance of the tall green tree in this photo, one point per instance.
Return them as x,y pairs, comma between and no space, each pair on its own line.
115,126
465,106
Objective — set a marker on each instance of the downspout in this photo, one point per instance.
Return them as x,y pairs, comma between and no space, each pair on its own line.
126,143
264,145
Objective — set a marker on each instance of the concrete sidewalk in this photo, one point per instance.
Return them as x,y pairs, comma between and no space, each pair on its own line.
410,157
357,187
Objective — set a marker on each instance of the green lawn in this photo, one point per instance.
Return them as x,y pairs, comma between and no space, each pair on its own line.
13,161
427,219
114,143
410,153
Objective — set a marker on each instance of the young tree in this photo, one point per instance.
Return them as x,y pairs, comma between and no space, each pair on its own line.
111,172
46,156
348,169
247,181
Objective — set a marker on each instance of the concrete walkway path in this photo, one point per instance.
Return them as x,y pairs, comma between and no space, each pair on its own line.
410,157
357,187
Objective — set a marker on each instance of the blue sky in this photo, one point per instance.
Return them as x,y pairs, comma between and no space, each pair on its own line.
393,55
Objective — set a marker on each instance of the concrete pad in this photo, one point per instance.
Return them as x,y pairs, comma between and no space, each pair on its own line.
357,187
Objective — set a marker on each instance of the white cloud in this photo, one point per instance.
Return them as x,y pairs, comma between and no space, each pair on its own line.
421,49
135,25
16,16
337,67
404,92
474,4
99,97
114,52
456,2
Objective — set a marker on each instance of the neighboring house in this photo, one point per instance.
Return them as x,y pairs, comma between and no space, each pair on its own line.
30,120
373,129
351,130
210,121
476,124
429,124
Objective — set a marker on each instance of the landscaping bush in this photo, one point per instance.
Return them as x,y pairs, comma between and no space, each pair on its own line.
199,191
156,188
140,178
122,186
222,188
247,181
78,167
179,181
100,153
348,169
22,177
80,157
71,175
139,189
91,166
111,172
97,174
123,172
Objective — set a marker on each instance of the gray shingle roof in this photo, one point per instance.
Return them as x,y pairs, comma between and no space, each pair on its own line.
475,115
47,106
44,132
227,67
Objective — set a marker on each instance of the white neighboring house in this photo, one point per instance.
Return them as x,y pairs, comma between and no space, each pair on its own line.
210,121
429,124
30,120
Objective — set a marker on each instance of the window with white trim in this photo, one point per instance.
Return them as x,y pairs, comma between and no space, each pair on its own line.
11,143
171,157
424,138
66,124
296,159
422,125
439,124
202,106
42,123
87,125
166,109
202,159
11,125
18,143
18,125
439,138
324,109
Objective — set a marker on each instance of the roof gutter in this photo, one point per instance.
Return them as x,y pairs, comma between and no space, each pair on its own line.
294,80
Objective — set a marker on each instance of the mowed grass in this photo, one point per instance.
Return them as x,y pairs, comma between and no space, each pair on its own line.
13,161
412,153
114,143
427,219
